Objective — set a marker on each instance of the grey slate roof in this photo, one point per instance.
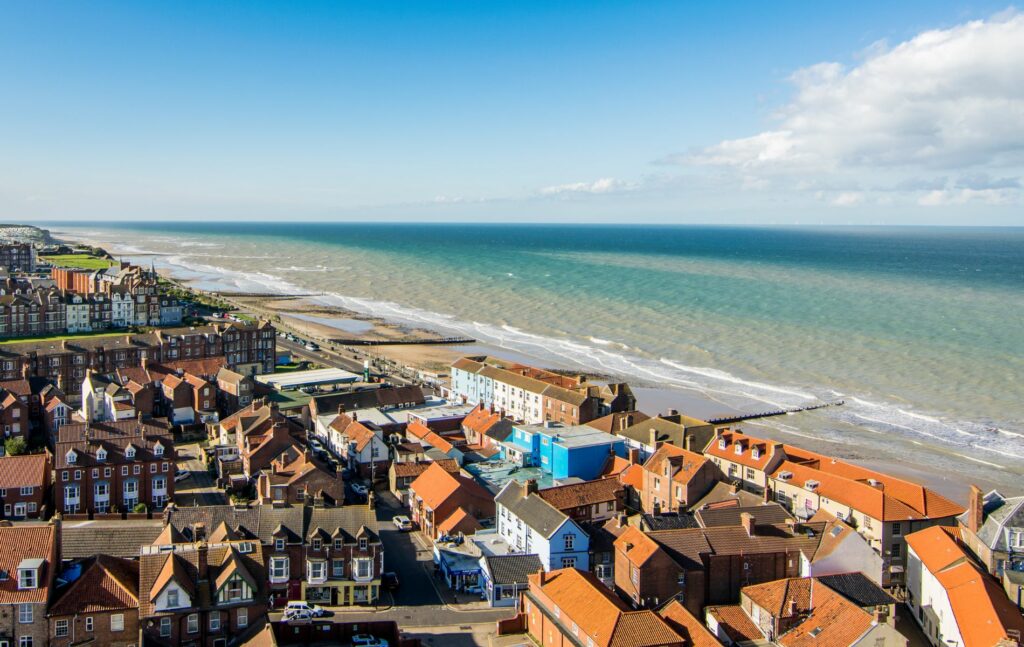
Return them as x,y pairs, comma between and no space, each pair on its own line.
290,519
668,521
771,513
349,519
245,520
1001,514
80,539
857,588
535,512
512,569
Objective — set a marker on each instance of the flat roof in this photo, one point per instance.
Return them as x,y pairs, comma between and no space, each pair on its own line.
296,379
494,474
571,435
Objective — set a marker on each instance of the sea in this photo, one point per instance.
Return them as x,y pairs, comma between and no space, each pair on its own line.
919,332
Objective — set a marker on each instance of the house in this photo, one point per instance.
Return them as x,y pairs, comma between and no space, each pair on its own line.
587,502
344,556
746,460
675,478
234,390
952,598
689,627
883,508
563,451
571,607
101,606
646,433
14,415
202,593
360,445
179,399
56,410
204,399
531,394
401,474
710,565
443,502
993,530
804,611
29,559
534,526
104,400
484,429
296,477
25,485
105,465
504,577
844,550
297,541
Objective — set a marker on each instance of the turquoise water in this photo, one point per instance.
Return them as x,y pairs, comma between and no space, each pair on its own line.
917,329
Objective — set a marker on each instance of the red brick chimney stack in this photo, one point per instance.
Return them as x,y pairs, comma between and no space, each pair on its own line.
747,520
975,509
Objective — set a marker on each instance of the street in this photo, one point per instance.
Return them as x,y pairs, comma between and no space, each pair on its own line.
198,488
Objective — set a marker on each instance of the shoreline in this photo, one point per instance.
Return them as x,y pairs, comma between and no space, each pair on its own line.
315,316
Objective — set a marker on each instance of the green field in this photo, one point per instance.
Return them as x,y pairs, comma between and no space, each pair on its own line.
81,261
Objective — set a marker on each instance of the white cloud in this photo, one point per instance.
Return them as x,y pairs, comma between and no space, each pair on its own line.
603,185
898,121
848,199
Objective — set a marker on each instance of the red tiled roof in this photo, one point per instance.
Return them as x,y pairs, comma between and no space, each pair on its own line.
106,584
736,624
582,599
566,497
686,625
633,476
834,622
417,429
684,464
24,471
18,543
415,468
636,546
438,442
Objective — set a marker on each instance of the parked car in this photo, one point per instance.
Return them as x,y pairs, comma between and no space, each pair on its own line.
315,445
402,522
360,489
389,580
366,640
312,346
298,617
300,606
181,475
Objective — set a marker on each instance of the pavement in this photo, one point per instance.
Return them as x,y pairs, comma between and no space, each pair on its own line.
199,488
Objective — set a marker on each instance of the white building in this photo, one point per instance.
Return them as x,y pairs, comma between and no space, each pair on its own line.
78,318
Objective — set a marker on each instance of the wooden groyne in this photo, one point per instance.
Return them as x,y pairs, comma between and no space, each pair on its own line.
403,342
773,412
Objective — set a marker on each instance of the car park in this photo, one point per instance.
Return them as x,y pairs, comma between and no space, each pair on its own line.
402,522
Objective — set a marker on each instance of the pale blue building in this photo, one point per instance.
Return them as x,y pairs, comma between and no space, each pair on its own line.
563,451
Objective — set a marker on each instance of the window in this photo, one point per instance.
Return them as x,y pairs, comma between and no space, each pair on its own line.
137,469
897,528
130,452
60,629
896,550
317,570
25,641
124,470
27,578
337,568
235,590
316,543
738,448
750,473
570,541
165,627
78,475
362,543
1017,539
88,623
215,621
25,614
337,544
363,568
568,562
172,598
278,544
25,491
636,576
158,450
106,472
117,622
193,623
243,617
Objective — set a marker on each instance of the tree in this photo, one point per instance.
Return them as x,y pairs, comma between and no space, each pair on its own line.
140,508
15,446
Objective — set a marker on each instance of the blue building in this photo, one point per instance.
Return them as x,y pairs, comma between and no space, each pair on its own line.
563,451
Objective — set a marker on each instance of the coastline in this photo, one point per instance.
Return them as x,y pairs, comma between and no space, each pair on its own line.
316,317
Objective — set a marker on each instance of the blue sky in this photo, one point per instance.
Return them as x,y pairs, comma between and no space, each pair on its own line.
589,111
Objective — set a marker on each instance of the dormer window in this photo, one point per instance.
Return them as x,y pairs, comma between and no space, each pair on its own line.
316,543
337,544
739,448
72,457
362,543
28,573
721,443
278,544
158,449
101,454
130,452
755,453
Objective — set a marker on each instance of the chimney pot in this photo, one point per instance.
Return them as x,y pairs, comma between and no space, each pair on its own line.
530,486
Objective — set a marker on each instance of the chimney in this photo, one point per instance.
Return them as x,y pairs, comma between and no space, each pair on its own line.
671,412
204,552
198,531
371,500
881,614
634,456
975,509
792,608
530,486
791,525
653,438
543,576
747,520
622,520
688,443
341,409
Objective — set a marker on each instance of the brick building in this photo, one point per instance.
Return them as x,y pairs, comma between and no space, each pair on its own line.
674,479
15,257
30,556
100,607
101,466
25,485
14,414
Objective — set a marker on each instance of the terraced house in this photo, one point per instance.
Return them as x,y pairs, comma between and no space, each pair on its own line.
534,395
100,607
29,557
25,485
114,465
